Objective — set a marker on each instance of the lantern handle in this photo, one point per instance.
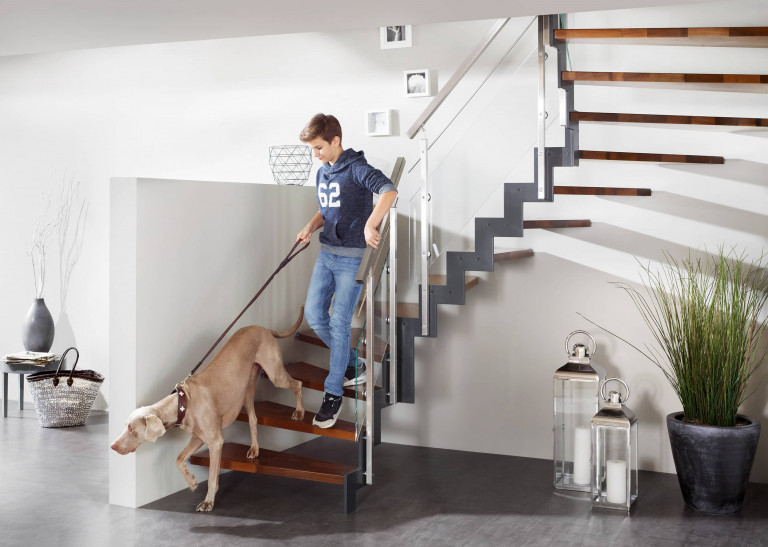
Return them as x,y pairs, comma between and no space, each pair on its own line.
594,344
602,388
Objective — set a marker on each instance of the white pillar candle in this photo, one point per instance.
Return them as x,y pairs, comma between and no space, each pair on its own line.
582,452
616,481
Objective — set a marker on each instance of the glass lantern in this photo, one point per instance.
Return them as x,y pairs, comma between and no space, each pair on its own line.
614,452
575,393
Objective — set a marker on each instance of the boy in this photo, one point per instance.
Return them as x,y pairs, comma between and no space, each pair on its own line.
345,187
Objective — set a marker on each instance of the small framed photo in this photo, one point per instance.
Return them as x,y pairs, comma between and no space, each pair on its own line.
418,83
396,36
378,123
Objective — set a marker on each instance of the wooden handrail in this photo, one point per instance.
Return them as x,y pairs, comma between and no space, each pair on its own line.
457,76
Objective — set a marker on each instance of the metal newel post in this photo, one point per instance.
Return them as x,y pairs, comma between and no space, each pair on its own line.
425,243
370,361
542,144
393,305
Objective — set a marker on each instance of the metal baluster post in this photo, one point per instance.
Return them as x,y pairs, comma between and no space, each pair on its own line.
425,230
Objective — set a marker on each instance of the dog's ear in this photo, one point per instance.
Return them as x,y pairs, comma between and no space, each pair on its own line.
155,428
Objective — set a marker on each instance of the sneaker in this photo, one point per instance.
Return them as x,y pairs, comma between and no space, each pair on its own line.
354,376
328,412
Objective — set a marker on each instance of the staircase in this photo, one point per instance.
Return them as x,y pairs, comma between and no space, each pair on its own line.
451,288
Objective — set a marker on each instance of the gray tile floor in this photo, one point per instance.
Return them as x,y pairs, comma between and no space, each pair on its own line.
54,492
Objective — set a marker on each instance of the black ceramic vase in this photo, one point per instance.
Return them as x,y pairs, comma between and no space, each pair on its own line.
38,330
713,463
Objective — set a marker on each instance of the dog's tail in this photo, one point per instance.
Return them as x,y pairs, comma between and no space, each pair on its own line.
294,328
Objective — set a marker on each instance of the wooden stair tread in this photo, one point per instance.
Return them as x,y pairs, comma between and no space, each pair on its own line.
656,158
719,82
407,309
310,337
276,415
697,36
502,256
313,377
469,280
279,464
615,117
601,191
579,223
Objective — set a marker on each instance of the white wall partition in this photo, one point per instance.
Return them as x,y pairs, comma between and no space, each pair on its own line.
185,258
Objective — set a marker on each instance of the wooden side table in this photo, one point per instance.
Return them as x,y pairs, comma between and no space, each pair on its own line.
21,368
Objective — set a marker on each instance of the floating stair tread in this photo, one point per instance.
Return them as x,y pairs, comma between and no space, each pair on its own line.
615,117
640,156
313,377
719,82
698,36
310,337
503,256
279,464
469,280
407,309
276,415
577,223
601,191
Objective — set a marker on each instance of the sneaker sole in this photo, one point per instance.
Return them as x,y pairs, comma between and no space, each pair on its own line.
355,381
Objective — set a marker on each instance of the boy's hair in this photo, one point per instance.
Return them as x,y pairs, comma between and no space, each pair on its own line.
321,125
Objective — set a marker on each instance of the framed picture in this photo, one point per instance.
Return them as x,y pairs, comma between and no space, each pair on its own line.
378,123
396,36
418,83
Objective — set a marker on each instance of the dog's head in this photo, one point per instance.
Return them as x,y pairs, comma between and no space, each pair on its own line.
142,425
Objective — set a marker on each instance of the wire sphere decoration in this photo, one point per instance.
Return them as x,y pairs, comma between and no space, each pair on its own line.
290,163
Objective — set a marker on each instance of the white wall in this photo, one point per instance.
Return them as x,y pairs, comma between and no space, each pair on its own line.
186,257
485,383
191,111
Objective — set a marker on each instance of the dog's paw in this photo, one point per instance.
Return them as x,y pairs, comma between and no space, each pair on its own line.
205,506
192,485
253,453
298,415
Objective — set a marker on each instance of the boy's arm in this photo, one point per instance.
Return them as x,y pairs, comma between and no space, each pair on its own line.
372,236
306,233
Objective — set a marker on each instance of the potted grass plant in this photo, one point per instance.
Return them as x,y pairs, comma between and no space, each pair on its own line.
705,317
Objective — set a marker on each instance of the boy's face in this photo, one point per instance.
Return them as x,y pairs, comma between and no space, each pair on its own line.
326,152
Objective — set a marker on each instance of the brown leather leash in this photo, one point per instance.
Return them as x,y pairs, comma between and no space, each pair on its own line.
290,256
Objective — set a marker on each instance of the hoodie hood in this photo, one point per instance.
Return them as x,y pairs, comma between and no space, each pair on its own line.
347,158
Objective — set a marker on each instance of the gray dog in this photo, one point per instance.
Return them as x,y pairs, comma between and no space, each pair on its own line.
214,399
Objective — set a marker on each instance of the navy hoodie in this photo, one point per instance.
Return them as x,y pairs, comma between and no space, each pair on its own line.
345,194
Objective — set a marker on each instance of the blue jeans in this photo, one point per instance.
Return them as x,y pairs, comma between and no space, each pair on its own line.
334,278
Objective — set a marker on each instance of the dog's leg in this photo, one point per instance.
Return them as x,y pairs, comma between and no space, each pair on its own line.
181,461
281,379
250,394
214,448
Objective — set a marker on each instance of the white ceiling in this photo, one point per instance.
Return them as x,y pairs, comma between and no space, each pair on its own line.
36,26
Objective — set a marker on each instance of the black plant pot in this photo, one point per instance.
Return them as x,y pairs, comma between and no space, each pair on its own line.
713,463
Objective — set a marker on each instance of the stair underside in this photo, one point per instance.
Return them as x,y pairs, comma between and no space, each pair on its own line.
712,36
279,464
756,83
639,156
601,191
613,117
313,377
277,415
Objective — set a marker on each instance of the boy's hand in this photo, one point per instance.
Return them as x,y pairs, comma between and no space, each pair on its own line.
372,236
304,235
